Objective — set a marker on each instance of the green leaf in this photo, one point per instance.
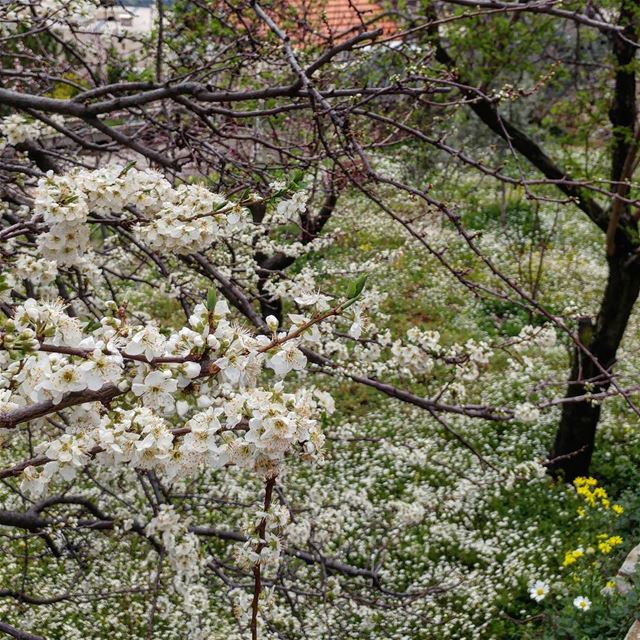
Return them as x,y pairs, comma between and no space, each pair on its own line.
356,287
360,283
296,179
212,297
91,325
129,165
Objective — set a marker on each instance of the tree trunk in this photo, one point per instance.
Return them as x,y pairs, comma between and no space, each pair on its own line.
575,438
310,228
574,443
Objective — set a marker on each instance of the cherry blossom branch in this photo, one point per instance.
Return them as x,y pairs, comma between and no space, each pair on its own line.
86,353
31,520
11,419
329,564
17,633
238,298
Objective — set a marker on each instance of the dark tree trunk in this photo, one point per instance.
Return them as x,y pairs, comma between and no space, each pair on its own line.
310,228
573,447
575,437
39,156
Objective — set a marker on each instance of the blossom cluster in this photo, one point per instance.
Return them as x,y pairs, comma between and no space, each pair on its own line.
233,421
17,129
183,220
264,549
180,545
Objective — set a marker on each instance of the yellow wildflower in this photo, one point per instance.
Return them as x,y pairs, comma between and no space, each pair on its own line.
617,509
572,556
581,481
592,494
607,544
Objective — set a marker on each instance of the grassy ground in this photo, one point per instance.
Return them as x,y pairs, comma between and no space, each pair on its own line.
457,535
487,535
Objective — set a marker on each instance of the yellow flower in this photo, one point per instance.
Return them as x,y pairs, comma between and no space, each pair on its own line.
587,494
582,512
572,556
617,509
592,494
581,481
607,544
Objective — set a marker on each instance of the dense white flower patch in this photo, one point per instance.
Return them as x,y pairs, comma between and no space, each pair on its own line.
184,220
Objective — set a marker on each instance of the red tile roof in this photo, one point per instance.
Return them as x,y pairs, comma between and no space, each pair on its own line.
340,19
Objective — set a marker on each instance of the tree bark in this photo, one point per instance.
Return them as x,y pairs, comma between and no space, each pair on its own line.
310,228
575,438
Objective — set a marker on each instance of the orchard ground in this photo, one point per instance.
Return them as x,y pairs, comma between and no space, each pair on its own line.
462,531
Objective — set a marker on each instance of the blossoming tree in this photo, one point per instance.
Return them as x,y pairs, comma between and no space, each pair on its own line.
167,331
